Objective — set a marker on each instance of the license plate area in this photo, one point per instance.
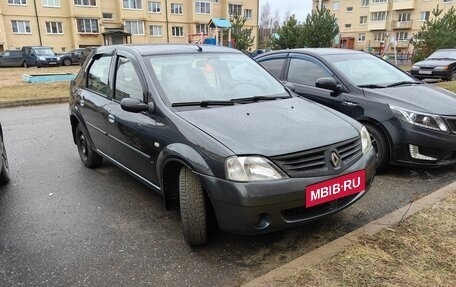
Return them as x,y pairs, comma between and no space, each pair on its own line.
335,188
425,72
52,63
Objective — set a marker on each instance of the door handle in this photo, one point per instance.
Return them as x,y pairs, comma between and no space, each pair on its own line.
82,101
111,118
350,104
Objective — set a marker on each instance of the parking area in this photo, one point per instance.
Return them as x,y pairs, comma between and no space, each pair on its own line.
62,224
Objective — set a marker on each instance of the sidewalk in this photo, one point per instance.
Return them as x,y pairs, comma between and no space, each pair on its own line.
413,246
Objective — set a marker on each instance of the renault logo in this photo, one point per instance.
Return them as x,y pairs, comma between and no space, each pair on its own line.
335,159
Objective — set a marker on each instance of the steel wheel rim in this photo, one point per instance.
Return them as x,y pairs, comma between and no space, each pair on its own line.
83,149
374,144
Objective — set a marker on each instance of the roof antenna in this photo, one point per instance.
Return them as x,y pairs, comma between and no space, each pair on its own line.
199,48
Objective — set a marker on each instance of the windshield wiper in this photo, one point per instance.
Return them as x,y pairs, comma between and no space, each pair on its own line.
402,83
258,98
203,104
372,86
445,58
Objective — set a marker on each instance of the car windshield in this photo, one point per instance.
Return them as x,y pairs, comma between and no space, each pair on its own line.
213,77
44,52
367,70
443,54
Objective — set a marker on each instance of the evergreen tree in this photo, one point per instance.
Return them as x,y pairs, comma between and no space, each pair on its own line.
242,36
289,35
319,29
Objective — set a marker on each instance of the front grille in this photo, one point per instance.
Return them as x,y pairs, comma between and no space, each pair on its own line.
452,123
316,161
301,213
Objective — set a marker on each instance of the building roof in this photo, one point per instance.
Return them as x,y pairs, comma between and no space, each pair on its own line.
219,23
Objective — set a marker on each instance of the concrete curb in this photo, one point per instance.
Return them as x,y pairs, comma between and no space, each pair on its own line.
31,102
278,277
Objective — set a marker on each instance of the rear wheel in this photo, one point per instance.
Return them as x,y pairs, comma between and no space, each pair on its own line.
86,152
4,173
452,77
380,144
26,65
193,208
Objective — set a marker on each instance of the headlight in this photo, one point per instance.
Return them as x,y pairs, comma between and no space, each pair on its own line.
251,168
415,68
442,68
429,121
366,142
41,58
58,58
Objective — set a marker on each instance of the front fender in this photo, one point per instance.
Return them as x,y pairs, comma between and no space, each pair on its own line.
186,155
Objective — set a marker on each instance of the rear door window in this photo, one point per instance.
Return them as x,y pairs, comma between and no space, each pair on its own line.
274,65
98,76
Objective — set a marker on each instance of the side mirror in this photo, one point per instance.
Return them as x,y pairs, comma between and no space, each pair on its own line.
290,86
328,83
134,105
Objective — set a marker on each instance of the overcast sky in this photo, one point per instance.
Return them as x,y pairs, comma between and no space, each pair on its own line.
298,7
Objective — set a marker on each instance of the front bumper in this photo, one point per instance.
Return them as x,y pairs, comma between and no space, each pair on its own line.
262,207
47,63
439,145
435,74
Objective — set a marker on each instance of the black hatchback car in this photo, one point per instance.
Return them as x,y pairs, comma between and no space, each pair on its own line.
11,58
217,136
410,123
439,65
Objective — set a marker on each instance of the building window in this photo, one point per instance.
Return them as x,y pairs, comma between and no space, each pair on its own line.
424,15
17,2
177,8
202,7
155,31
21,27
234,9
87,26
201,28
364,3
362,20
108,16
348,26
361,37
379,1
336,6
402,36
404,17
132,4
154,7
350,9
248,13
379,36
54,28
51,3
135,27
177,31
447,1
85,2
379,16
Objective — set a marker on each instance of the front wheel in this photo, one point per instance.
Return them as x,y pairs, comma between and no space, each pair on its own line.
193,208
380,144
88,155
26,65
4,173
452,77
67,62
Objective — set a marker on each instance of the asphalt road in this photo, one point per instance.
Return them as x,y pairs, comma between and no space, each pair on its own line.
62,224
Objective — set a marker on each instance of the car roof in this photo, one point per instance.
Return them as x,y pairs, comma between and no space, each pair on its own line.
317,51
154,49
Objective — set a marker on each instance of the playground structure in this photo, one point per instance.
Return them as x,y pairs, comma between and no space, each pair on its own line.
216,26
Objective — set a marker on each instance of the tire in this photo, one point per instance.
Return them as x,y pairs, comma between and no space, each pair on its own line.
380,144
193,208
452,77
26,65
86,152
4,173
67,62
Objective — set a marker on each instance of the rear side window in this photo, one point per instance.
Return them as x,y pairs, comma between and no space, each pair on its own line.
128,84
305,72
274,66
98,74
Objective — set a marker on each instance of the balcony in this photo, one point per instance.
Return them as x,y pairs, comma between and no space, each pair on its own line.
378,7
401,24
377,25
403,4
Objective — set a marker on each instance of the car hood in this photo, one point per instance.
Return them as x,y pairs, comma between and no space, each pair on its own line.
272,127
434,63
422,97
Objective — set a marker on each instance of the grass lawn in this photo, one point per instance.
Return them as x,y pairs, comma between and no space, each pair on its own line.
13,88
419,252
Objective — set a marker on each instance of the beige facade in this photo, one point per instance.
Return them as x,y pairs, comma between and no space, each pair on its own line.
68,24
374,24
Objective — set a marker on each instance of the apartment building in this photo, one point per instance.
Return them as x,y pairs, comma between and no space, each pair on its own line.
68,24
373,25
